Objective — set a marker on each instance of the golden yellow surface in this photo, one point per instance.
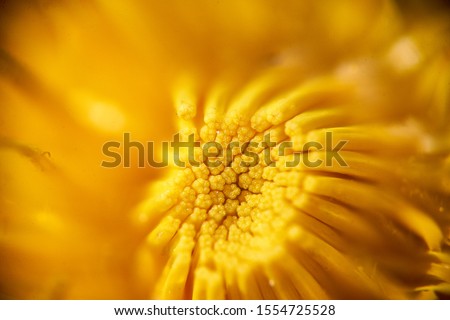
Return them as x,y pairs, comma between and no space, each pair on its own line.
76,74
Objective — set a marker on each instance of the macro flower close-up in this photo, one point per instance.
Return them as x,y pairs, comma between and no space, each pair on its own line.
224,149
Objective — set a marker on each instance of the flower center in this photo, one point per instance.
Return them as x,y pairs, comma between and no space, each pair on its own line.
225,226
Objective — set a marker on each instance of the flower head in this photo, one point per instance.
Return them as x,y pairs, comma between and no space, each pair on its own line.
353,202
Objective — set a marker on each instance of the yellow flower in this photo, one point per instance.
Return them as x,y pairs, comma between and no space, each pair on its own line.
369,222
